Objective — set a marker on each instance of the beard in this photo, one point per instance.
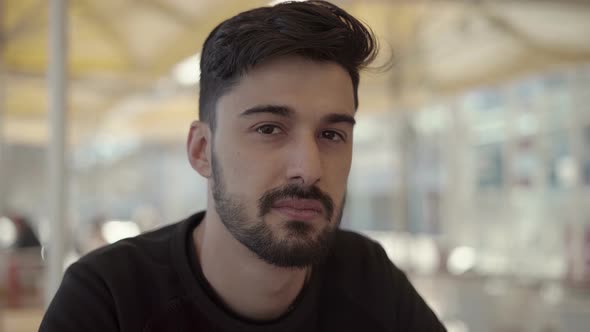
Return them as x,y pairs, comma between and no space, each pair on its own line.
299,247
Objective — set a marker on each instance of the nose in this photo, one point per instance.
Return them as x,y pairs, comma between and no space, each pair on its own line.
305,164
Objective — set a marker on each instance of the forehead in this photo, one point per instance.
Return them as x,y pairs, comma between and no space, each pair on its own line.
306,86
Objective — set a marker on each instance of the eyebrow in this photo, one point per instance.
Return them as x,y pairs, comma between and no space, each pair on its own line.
339,118
279,110
287,112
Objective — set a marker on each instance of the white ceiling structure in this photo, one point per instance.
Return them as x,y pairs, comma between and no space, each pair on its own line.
122,55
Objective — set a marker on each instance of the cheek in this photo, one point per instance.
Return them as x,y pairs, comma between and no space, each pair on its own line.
238,167
247,173
336,175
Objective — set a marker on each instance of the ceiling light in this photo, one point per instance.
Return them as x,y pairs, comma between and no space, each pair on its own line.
188,72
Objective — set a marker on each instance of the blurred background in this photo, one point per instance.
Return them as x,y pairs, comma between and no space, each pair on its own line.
471,158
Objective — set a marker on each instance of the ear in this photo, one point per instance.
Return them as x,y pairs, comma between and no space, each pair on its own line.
197,146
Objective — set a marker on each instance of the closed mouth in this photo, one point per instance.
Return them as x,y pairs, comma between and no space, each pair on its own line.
300,204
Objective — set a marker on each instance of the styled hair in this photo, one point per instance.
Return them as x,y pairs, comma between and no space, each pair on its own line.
316,30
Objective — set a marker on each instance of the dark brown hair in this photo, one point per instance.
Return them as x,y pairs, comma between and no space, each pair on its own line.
317,30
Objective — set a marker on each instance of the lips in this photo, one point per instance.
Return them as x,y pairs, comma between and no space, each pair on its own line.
299,209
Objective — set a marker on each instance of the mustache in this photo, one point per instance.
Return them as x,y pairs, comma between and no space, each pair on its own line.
266,202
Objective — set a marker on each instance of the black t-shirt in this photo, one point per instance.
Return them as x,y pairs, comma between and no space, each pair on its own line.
153,282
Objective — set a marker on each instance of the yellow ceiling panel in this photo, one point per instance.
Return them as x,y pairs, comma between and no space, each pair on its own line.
17,11
146,33
27,131
27,54
25,97
94,47
183,107
121,49
191,39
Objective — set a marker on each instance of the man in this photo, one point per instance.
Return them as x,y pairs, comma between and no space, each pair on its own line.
278,95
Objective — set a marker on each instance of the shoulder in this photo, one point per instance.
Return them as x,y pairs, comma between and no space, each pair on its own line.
356,250
148,248
124,283
359,265
359,272
346,239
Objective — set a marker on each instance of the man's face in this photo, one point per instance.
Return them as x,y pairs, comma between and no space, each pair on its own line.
281,156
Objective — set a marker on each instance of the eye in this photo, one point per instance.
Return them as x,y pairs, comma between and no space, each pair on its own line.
332,136
268,129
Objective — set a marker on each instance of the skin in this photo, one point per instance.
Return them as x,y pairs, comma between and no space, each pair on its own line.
309,144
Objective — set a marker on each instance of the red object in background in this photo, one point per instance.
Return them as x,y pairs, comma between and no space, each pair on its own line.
21,279
14,289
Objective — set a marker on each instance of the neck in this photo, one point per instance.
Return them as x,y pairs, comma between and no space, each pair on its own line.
249,286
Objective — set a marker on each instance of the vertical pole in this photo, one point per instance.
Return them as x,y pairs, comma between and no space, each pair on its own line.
3,178
56,153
